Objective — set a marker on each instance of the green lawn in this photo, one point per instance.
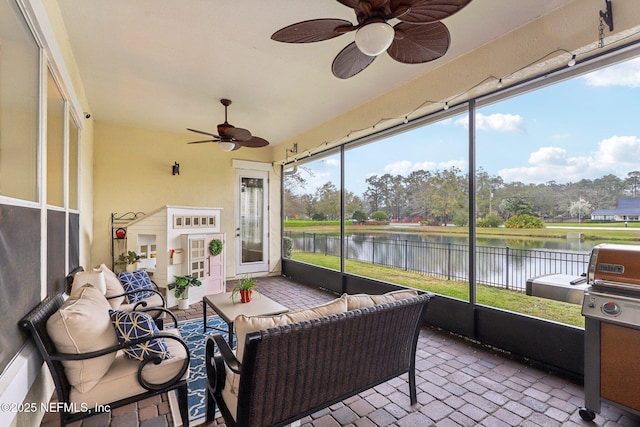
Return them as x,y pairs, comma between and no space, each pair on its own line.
487,295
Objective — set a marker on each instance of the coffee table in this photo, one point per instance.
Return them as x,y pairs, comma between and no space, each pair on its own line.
228,310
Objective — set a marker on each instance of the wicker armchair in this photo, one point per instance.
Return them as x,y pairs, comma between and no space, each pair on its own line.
126,380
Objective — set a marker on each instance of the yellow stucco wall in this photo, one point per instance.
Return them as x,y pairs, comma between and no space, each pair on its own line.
133,173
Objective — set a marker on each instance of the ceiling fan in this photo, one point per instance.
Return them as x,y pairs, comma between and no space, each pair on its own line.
229,137
419,37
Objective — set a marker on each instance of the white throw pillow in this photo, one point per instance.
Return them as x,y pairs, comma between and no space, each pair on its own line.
95,278
82,324
114,287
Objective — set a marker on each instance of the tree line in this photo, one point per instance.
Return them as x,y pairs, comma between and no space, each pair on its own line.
441,197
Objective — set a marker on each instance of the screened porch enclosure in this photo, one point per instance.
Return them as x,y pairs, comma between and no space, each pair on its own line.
514,158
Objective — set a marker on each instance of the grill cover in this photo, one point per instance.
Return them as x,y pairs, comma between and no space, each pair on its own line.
615,266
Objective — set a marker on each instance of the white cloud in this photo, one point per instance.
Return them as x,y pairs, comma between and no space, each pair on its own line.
460,164
495,122
332,161
619,151
405,167
445,122
625,74
315,181
616,155
549,156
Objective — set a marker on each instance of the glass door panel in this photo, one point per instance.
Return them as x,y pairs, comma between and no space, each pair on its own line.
252,228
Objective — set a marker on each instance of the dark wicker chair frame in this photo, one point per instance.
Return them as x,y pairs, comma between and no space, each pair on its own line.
292,371
36,324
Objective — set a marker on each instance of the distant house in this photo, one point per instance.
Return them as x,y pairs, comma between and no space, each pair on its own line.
628,210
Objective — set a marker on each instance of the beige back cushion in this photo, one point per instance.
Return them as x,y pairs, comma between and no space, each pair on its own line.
244,324
95,278
364,300
114,287
82,324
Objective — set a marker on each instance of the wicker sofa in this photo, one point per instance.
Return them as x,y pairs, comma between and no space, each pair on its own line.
292,365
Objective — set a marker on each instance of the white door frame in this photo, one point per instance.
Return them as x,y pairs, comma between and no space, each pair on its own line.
247,169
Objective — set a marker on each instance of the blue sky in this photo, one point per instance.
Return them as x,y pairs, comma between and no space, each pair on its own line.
586,127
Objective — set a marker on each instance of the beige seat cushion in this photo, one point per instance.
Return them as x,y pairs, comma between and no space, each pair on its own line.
114,287
244,325
364,300
82,324
96,278
120,381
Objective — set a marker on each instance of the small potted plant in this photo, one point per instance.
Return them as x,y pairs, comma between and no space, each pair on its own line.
244,288
131,259
181,291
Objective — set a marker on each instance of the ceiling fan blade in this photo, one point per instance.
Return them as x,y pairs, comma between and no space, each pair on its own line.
314,30
353,4
415,44
254,142
203,132
238,134
200,142
424,11
350,61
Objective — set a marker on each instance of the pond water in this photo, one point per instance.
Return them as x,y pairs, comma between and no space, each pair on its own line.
500,262
514,243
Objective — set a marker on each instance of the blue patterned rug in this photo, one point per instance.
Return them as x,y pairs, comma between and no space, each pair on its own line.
191,332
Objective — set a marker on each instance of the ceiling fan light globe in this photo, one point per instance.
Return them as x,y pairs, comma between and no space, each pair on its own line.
375,38
227,146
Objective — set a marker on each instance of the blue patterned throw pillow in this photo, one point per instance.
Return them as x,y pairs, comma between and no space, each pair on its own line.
135,281
134,324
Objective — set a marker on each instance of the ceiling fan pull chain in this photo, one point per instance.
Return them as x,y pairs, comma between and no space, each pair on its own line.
601,33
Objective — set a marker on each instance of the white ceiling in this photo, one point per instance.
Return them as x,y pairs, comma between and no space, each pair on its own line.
165,64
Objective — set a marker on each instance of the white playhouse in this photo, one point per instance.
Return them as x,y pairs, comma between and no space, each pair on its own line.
179,241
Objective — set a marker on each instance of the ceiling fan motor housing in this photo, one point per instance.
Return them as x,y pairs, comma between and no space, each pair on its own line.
222,128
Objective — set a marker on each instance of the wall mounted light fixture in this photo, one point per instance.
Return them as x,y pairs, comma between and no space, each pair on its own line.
175,169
